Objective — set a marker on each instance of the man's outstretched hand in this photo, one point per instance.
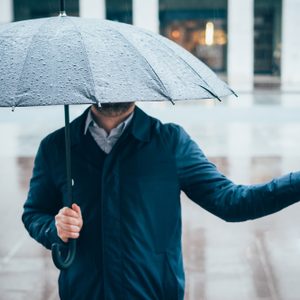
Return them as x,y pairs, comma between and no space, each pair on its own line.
69,222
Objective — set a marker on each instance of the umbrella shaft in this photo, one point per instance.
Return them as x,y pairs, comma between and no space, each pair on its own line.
68,156
62,5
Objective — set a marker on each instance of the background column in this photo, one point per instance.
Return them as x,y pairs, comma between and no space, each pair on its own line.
92,9
290,63
146,14
241,44
6,11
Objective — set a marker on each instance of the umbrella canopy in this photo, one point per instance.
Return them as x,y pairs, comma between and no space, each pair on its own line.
71,60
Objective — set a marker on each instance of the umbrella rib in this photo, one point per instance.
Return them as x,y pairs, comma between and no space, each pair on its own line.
166,93
209,87
27,54
87,59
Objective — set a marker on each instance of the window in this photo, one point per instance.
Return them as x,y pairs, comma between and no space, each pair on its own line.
119,10
198,26
267,37
32,9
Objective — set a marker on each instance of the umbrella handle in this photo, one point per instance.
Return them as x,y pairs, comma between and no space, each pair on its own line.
57,257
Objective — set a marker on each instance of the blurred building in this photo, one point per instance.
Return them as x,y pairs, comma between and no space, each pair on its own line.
247,42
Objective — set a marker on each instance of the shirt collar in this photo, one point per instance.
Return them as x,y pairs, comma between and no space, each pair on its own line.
90,121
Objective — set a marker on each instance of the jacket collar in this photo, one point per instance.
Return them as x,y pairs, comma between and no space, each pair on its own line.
139,126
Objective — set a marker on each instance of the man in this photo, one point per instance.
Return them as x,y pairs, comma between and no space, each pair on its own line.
128,170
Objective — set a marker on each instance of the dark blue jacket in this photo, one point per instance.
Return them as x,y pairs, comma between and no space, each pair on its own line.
130,244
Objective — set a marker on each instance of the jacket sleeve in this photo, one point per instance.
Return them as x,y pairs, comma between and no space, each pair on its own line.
43,202
205,185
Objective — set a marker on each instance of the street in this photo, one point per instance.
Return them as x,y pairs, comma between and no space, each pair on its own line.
251,139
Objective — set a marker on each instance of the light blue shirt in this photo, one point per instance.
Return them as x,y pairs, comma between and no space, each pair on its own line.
104,140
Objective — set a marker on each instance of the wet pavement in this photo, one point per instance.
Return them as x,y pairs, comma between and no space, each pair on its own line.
251,139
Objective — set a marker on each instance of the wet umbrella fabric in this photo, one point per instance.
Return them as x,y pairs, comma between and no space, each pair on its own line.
68,60
71,60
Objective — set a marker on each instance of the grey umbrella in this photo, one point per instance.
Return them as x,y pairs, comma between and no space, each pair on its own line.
69,60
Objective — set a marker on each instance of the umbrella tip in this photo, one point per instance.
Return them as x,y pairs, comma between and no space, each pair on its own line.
172,101
62,14
234,93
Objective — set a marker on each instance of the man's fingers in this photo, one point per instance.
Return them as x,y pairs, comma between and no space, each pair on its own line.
65,235
68,228
68,220
68,235
76,208
66,211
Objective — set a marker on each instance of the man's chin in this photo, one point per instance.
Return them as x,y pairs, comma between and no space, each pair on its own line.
114,109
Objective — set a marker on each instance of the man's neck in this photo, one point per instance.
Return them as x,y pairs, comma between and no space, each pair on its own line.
108,122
